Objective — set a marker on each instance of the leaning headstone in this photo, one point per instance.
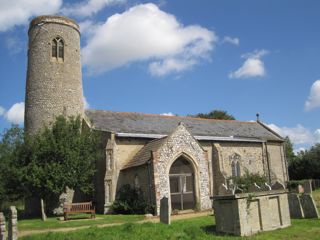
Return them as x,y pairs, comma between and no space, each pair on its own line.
309,207
13,224
265,187
2,227
165,211
277,186
307,186
295,206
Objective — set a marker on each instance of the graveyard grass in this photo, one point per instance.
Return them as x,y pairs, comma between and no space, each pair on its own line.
196,228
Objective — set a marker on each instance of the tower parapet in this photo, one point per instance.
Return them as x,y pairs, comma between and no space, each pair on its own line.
54,79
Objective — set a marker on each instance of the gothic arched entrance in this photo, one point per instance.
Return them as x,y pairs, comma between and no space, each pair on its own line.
182,185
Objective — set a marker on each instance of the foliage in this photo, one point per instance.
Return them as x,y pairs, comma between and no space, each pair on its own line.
248,179
293,184
12,139
58,157
215,114
130,200
306,165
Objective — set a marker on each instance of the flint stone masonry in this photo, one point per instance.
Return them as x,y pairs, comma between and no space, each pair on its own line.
182,143
245,215
295,208
13,224
309,207
2,227
54,86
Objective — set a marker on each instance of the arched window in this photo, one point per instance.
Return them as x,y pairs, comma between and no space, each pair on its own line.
235,165
58,48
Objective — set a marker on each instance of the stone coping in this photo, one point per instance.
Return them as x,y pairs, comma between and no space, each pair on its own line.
252,194
55,19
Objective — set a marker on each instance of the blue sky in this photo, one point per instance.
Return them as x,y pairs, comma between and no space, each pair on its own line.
183,57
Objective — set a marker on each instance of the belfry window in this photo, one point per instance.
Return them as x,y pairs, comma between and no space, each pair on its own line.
58,48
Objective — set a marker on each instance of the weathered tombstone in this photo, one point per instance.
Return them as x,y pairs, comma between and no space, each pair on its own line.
165,211
295,206
13,224
223,190
277,186
309,207
2,227
307,186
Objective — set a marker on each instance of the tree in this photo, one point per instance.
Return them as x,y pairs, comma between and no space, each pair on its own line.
58,157
215,114
12,139
289,150
306,165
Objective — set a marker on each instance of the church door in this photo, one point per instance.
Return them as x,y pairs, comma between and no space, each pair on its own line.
182,185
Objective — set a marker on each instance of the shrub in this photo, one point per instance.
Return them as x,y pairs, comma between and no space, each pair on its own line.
248,179
130,200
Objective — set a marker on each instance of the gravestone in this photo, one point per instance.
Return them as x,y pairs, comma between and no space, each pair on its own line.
295,206
2,227
254,188
307,186
13,224
277,186
309,207
300,189
165,211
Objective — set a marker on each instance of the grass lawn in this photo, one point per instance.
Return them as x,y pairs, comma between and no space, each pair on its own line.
197,228
53,223
316,197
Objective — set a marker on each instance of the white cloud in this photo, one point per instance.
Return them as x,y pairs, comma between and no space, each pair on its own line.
86,105
167,114
89,7
317,135
15,114
252,67
298,150
14,44
234,41
298,134
314,97
19,12
2,111
145,33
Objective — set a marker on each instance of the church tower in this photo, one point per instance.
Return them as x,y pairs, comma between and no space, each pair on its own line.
54,80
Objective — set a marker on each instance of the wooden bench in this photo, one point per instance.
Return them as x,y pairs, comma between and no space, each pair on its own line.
74,208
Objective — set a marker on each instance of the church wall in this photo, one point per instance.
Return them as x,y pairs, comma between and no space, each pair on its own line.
127,149
207,147
277,162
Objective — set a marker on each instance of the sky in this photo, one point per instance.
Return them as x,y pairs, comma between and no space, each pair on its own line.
182,57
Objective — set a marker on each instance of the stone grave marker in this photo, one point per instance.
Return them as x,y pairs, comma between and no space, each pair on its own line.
295,206
309,207
223,190
165,211
2,227
300,189
307,186
13,224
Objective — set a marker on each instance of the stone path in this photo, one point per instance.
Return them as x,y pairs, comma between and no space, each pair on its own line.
151,219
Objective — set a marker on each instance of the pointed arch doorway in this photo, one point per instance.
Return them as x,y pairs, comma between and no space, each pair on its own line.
182,187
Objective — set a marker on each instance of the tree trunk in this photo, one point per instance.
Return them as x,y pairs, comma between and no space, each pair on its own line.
43,213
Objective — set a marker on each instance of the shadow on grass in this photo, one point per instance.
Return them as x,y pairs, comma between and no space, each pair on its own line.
211,229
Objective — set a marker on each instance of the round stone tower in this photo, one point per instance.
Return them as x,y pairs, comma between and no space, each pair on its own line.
54,80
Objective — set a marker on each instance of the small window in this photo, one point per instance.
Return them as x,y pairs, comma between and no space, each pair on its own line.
58,48
235,168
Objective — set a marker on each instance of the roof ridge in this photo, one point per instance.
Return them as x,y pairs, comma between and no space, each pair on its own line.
173,117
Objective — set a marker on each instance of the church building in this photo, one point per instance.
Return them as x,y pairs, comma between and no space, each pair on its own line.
184,159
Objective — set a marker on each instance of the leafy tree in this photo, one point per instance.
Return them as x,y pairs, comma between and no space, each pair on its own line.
58,157
306,165
12,139
215,114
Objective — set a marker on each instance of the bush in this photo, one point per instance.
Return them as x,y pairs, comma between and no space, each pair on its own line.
248,179
130,200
